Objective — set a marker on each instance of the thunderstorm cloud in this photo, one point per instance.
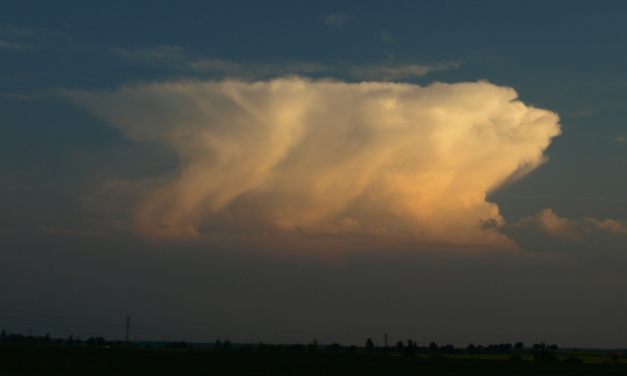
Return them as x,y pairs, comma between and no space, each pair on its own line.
345,165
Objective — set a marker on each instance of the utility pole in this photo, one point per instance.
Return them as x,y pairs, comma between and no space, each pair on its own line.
128,326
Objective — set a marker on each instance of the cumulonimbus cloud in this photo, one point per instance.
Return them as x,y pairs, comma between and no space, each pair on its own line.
295,158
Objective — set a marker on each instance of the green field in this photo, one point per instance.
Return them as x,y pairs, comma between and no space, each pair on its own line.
18,360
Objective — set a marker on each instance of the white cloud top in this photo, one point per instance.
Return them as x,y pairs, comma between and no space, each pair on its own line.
293,158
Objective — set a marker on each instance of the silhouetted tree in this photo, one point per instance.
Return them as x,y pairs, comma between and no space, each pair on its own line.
411,348
313,346
218,345
369,345
400,347
433,347
227,345
471,349
352,349
334,348
70,341
519,346
97,341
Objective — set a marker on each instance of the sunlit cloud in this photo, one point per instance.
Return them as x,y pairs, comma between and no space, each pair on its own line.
571,229
589,238
344,165
621,139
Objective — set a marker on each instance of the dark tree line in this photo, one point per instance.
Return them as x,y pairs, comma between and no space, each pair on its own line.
502,348
542,352
182,345
70,341
20,338
539,351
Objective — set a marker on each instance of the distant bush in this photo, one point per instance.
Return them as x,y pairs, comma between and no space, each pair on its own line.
614,358
543,353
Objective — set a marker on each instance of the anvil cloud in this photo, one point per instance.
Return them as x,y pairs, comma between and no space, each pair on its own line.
298,159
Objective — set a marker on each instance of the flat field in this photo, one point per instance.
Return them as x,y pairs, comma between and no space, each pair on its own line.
592,357
16,360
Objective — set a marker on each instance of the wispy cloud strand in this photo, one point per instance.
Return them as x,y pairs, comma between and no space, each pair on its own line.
336,20
396,72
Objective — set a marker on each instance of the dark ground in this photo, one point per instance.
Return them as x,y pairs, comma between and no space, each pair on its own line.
16,360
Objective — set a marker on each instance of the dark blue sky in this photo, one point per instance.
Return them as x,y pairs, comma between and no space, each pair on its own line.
59,157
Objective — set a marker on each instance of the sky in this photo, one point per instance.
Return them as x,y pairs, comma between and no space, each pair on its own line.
282,171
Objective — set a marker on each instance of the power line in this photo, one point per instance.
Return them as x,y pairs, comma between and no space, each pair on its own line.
148,328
